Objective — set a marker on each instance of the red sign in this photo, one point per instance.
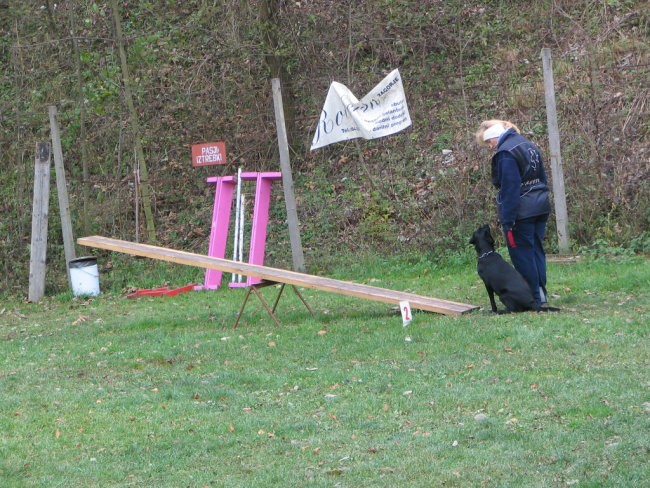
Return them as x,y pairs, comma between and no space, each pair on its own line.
208,154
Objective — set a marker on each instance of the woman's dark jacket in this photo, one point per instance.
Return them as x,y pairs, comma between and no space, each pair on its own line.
518,174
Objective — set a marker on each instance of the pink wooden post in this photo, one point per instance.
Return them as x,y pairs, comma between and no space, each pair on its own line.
221,222
260,220
219,228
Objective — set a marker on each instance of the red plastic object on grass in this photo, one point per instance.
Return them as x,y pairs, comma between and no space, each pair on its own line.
161,291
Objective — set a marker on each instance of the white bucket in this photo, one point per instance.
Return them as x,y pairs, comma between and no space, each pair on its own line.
84,276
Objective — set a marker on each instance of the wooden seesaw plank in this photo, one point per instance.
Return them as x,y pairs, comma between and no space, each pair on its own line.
277,275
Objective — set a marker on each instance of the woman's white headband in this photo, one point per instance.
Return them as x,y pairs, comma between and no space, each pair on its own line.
494,131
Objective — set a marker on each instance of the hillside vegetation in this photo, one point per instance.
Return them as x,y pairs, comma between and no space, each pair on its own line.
200,70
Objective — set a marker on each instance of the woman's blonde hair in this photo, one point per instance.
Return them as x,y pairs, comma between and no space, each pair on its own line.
486,124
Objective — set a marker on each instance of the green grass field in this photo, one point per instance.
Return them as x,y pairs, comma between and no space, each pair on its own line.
163,392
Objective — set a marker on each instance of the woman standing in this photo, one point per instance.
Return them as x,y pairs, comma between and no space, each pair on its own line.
522,199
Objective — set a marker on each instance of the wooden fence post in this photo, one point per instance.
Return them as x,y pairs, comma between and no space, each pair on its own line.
62,192
287,180
559,197
40,208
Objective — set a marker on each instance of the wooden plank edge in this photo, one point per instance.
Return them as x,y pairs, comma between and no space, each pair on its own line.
331,285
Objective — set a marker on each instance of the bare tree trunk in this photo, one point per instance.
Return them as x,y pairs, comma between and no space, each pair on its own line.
269,10
145,187
17,228
50,16
84,216
357,144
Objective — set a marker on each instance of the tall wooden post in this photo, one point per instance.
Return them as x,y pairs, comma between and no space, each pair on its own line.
40,210
62,192
559,196
287,180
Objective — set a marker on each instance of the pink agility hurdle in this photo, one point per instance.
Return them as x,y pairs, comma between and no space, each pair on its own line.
223,197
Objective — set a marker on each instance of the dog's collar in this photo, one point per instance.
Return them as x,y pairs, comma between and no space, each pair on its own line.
485,254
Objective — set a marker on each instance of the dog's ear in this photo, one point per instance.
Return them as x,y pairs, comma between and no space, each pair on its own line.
474,239
488,236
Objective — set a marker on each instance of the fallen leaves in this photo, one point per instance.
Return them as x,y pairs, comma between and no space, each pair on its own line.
80,320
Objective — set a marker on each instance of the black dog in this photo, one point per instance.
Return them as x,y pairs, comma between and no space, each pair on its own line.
501,278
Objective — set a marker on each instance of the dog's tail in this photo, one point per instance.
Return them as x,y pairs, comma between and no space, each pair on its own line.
548,309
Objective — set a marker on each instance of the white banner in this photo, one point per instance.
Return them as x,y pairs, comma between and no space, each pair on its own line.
381,112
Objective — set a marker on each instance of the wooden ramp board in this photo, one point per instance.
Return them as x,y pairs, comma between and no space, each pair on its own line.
277,275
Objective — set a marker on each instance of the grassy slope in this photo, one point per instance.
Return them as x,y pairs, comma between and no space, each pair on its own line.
163,392
199,72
